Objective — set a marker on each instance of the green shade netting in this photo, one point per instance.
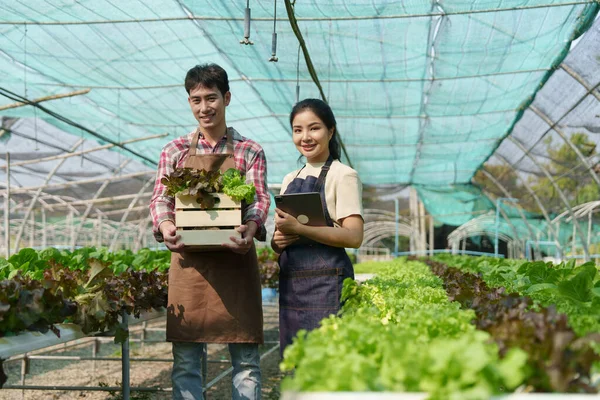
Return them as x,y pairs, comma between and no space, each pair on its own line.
423,91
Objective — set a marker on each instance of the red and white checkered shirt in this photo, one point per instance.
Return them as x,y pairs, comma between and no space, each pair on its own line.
249,159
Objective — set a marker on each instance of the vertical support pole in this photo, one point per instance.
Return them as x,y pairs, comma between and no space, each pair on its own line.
589,238
44,232
423,228
125,359
72,232
397,214
557,228
143,335
99,231
7,208
413,221
95,348
431,236
32,231
24,370
496,228
573,244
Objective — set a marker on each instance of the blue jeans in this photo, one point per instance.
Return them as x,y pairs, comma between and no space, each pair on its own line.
187,379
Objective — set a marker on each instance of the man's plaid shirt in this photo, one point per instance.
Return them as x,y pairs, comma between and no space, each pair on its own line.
249,159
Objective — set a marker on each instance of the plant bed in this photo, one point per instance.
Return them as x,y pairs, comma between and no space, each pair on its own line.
559,361
399,332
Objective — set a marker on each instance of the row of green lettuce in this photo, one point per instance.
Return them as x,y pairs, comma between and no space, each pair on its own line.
32,263
89,287
399,332
573,290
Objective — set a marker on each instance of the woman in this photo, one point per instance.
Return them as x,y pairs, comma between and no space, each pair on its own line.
312,274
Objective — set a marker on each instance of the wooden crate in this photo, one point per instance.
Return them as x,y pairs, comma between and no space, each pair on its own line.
225,215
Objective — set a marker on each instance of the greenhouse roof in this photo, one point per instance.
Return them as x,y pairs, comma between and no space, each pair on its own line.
423,92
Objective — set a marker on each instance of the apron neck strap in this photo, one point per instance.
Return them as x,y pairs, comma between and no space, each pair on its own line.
194,145
195,138
323,175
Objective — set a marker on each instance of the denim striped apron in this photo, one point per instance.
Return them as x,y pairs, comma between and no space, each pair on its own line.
311,275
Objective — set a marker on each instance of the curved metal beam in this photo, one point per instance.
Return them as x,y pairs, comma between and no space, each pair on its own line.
560,192
143,228
506,217
579,210
37,195
564,137
375,231
126,214
589,90
535,197
88,209
44,196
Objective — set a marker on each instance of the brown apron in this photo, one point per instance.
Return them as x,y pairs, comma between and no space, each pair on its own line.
214,297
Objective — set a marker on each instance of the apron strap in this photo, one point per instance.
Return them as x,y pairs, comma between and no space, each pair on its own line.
194,145
300,170
323,175
195,138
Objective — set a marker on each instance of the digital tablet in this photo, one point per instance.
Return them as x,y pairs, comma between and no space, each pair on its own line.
307,208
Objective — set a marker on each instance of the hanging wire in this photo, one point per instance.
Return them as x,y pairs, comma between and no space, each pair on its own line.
289,6
246,40
274,38
298,75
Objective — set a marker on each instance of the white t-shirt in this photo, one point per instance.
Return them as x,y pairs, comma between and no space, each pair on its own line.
343,188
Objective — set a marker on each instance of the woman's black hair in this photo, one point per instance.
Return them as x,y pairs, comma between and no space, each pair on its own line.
324,113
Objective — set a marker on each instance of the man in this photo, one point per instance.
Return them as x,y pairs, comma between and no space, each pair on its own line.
214,297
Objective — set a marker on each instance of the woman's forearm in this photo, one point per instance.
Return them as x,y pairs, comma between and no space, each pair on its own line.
336,237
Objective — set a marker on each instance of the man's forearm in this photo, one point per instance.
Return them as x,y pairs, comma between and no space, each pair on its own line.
251,230
164,224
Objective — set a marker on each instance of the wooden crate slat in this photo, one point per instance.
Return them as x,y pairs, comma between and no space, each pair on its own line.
185,202
210,218
205,238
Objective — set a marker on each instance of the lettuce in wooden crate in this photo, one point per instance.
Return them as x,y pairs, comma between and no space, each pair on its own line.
201,183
